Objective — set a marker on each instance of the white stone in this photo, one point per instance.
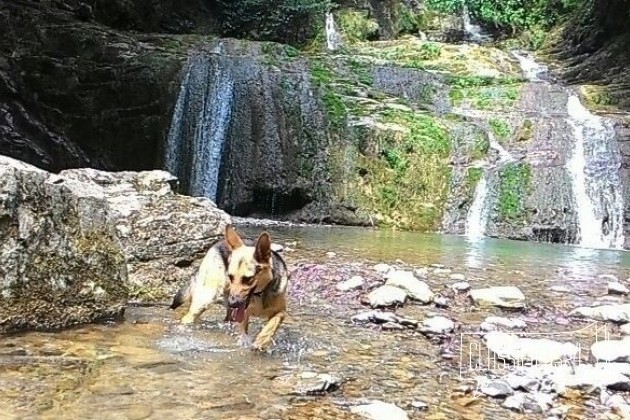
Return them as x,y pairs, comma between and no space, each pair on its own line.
461,286
442,271
387,296
542,350
416,289
492,323
437,325
379,410
616,288
458,277
608,277
615,313
382,268
355,282
625,329
611,351
421,273
500,296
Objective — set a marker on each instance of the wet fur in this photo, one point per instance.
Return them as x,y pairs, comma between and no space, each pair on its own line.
242,259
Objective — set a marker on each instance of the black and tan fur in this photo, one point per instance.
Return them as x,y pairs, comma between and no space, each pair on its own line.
240,274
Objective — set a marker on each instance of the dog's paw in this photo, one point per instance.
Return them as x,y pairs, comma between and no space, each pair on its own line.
187,319
261,343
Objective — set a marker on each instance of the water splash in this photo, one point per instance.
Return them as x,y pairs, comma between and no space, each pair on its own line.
200,126
333,38
594,170
531,69
473,32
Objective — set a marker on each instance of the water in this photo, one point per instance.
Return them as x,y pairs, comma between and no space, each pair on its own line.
473,32
150,367
594,170
477,218
333,38
532,70
200,124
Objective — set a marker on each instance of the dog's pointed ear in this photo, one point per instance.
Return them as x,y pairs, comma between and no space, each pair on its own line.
231,237
263,248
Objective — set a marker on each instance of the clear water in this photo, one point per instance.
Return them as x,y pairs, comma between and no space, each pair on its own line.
333,38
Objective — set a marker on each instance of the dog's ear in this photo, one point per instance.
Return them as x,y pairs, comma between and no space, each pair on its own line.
231,237
263,248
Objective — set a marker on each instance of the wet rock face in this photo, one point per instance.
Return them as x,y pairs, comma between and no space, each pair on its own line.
60,260
78,94
164,235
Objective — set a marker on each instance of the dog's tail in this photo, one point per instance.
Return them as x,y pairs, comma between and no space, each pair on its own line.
182,296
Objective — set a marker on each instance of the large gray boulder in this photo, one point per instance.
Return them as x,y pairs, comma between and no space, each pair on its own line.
60,260
164,235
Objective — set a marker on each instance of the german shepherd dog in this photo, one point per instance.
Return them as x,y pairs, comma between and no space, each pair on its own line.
246,275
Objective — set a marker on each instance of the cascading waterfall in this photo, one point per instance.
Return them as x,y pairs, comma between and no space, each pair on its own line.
200,124
594,170
333,38
479,211
473,32
531,69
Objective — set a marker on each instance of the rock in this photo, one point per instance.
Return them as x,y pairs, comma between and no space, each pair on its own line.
60,260
615,313
582,376
612,350
277,247
440,302
355,282
501,296
496,388
616,288
442,271
625,329
617,404
515,402
542,350
380,317
421,273
461,286
378,410
389,326
382,268
419,405
416,289
437,325
385,296
492,323
331,254
538,402
521,381
307,383
608,277
458,277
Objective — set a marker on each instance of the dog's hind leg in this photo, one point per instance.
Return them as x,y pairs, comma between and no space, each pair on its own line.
202,298
269,331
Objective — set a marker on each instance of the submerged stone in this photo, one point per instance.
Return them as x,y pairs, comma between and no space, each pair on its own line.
379,410
501,296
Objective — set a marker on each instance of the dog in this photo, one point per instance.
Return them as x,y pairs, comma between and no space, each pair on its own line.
249,277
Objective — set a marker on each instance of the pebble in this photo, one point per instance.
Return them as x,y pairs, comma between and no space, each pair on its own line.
458,277
461,286
437,325
385,296
382,268
501,296
355,282
496,388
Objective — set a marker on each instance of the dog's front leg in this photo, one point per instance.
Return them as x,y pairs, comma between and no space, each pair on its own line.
269,331
244,339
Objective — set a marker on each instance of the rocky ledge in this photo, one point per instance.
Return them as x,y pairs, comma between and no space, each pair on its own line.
78,244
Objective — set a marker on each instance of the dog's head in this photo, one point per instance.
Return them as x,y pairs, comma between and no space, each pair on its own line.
249,268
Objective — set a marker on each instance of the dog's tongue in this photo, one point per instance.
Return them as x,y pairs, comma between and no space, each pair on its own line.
238,314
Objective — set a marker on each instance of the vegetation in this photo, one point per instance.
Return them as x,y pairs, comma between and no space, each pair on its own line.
514,183
486,93
355,26
501,129
480,147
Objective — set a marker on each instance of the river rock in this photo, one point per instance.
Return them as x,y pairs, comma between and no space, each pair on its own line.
381,317
616,288
386,296
501,296
437,325
379,410
492,323
538,402
382,268
416,289
307,383
581,376
608,277
625,329
496,388
355,282
60,260
612,350
442,271
617,404
457,277
421,273
615,313
164,235
461,286
541,350
520,380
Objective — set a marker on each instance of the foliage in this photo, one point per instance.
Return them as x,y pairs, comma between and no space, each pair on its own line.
501,129
287,21
483,92
323,76
514,182
356,26
480,148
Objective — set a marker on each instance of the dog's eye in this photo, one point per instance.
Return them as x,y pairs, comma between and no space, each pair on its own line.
247,280
258,269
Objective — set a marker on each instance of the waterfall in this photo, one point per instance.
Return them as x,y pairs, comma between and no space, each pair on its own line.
479,211
477,217
594,170
200,124
333,38
473,32
531,69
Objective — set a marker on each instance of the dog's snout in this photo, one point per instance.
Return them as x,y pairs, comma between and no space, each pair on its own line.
235,301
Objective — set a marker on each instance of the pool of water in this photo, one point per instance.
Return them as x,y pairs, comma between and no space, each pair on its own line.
149,366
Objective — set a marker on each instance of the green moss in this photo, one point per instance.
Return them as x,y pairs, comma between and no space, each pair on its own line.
484,92
409,21
480,147
425,135
362,71
323,76
526,131
514,184
430,51
473,175
501,129
355,26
